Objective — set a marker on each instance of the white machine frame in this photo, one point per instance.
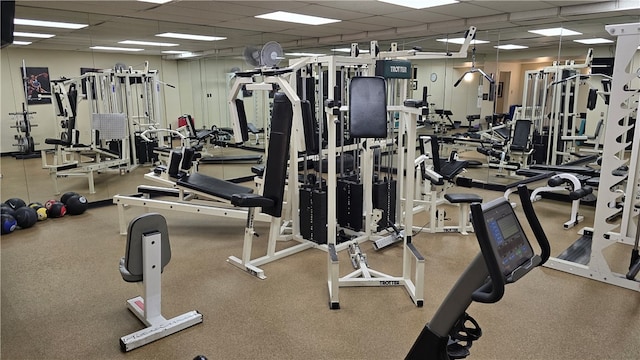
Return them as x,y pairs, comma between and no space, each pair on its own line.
364,275
622,104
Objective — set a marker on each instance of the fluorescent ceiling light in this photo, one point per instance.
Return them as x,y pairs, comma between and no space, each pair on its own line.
593,41
348,50
149,43
53,24
297,18
187,55
420,4
21,42
511,47
555,32
33,35
460,41
114,48
156,1
175,52
303,54
190,36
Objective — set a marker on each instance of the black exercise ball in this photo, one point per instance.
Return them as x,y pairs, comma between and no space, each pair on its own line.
56,210
26,217
8,224
77,204
6,209
65,197
15,203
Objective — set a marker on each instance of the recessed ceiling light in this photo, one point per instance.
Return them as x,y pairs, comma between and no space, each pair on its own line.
33,35
53,24
348,50
460,41
420,4
593,41
510,47
21,42
114,48
156,1
302,54
555,32
297,18
191,37
149,43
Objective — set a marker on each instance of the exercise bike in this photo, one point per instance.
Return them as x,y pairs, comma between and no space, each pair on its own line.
506,256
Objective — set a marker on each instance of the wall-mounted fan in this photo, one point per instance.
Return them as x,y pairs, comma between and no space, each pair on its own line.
270,55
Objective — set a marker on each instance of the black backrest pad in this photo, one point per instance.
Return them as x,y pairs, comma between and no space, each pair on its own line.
144,224
368,107
309,127
521,134
435,153
73,99
242,118
277,153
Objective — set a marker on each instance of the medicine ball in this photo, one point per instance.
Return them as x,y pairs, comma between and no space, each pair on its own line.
56,210
6,209
35,205
15,203
42,213
26,217
8,224
66,196
77,204
48,204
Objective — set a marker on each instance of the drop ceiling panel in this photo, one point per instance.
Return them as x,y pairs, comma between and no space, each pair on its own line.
504,21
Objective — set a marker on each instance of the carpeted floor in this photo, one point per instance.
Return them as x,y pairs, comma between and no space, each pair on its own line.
63,297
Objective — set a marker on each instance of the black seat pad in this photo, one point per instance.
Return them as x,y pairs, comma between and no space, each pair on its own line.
449,169
60,142
463,198
212,186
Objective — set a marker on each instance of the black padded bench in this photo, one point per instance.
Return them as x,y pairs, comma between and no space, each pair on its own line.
211,186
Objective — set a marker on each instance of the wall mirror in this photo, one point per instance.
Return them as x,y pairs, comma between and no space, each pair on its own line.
199,87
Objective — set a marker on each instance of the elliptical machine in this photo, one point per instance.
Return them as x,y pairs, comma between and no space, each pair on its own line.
506,256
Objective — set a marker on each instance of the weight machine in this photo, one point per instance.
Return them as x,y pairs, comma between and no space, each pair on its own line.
435,177
369,101
122,104
623,105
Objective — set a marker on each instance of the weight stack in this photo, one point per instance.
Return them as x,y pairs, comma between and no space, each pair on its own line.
144,150
350,204
384,198
313,214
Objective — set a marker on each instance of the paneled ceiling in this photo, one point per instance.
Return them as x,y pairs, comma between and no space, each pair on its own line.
500,22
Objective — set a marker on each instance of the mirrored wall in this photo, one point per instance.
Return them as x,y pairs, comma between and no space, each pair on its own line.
200,87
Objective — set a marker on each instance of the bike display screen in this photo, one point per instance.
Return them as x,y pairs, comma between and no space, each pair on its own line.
509,240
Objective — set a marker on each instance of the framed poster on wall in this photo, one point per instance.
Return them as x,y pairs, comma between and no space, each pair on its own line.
37,85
